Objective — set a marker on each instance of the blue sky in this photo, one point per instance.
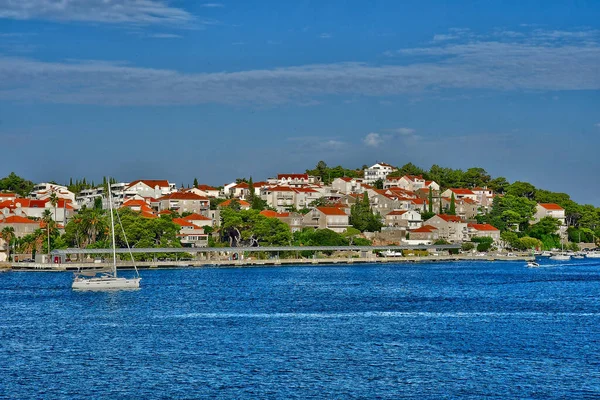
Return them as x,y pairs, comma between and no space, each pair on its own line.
217,90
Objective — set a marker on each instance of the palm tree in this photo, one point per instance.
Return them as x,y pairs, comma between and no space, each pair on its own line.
8,234
47,218
54,202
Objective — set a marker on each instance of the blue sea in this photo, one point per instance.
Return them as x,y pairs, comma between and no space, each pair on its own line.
440,330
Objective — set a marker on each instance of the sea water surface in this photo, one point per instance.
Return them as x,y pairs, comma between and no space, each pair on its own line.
443,330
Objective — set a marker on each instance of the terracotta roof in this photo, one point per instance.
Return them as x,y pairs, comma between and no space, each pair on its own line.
469,200
183,222
8,195
449,218
551,206
206,187
147,214
398,212
384,164
228,202
184,196
424,229
483,227
419,201
17,219
196,217
461,191
165,212
151,182
331,211
305,190
269,213
242,185
413,177
346,179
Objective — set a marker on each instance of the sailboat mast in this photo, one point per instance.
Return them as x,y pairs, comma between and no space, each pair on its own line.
112,229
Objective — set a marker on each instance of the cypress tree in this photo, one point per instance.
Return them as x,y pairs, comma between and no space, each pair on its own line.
452,210
430,199
195,182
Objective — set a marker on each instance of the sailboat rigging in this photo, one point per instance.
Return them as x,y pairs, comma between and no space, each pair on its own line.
108,280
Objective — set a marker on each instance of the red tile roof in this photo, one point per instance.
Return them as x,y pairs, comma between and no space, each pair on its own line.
269,213
184,196
424,229
449,218
8,195
551,206
483,227
462,191
242,185
331,211
398,212
196,217
206,187
147,214
183,222
16,219
242,203
151,182
165,212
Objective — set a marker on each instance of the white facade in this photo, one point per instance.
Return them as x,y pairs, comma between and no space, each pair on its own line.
376,172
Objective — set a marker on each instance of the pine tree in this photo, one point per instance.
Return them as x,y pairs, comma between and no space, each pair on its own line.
452,210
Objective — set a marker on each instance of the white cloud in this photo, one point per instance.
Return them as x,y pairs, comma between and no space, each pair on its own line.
597,125
213,5
325,36
373,139
481,65
141,12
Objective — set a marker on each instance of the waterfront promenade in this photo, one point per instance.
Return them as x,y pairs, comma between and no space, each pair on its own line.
250,262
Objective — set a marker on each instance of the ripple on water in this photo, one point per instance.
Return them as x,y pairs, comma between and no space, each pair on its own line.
423,331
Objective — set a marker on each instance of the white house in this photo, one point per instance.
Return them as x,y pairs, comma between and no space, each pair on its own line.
148,188
408,219
378,171
327,218
347,185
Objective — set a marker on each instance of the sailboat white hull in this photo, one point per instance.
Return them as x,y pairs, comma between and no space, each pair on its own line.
106,283
593,255
561,257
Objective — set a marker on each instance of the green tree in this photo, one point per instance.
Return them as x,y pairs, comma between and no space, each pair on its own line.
452,210
8,235
378,184
195,182
430,201
522,189
546,226
14,183
499,185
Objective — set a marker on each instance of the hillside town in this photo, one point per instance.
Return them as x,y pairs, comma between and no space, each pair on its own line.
408,209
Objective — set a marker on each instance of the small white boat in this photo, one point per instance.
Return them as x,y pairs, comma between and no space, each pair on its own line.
390,253
532,264
593,254
561,257
546,254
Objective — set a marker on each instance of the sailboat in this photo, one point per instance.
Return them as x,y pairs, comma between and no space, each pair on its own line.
89,280
562,256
